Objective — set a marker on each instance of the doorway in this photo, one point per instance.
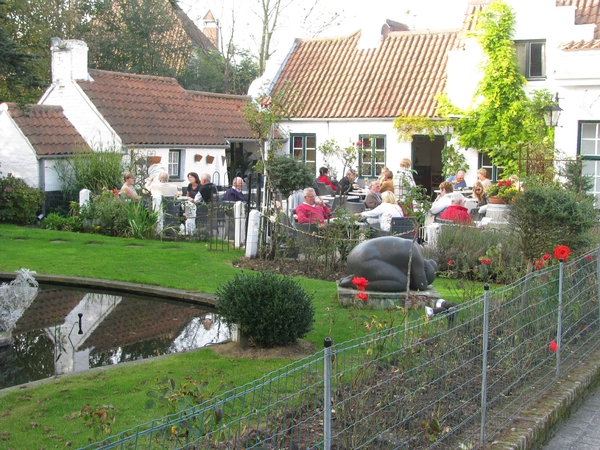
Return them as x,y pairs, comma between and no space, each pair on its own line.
427,161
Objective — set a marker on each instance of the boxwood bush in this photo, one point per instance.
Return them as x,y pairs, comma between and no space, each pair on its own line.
269,309
19,203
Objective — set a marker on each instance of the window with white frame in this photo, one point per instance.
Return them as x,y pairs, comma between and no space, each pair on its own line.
532,59
589,149
494,172
304,148
174,165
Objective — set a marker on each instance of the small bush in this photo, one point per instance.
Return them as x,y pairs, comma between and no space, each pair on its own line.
19,203
106,214
270,309
55,221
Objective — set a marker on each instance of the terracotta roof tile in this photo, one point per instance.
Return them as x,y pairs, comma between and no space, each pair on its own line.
594,44
588,12
149,110
49,309
47,129
333,78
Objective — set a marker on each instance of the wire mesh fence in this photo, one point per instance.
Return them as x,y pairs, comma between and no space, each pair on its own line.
450,382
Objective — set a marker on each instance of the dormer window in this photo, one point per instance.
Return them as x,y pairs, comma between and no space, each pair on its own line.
532,59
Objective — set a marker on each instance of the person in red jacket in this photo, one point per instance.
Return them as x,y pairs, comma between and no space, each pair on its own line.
324,178
457,212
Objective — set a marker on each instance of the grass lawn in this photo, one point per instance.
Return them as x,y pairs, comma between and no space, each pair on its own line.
45,416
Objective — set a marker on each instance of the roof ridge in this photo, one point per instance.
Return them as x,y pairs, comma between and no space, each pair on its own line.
110,73
217,94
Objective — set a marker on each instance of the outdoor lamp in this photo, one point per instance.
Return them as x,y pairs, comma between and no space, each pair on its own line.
552,113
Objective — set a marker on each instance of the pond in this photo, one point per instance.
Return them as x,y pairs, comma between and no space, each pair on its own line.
66,329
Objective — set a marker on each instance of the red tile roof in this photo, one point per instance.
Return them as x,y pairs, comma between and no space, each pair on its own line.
149,110
588,12
47,129
333,78
594,44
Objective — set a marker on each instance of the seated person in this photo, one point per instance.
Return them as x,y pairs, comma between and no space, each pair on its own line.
207,190
443,199
458,180
385,211
373,198
127,188
457,212
347,183
324,178
483,179
388,181
310,211
163,187
234,193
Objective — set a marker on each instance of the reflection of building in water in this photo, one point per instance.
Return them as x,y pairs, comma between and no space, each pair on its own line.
114,329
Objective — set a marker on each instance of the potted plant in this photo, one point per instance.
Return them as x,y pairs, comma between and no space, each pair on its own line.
502,192
210,159
154,159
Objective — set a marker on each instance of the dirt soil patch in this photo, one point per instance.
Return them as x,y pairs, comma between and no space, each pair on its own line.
295,351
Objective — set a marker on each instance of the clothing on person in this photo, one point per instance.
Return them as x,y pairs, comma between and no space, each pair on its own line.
313,213
206,193
404,181
460,184
345,185
233,195
387,185
385,212
372,200
440,204
486,183
132,193
325,179
191,192
163,189
457,214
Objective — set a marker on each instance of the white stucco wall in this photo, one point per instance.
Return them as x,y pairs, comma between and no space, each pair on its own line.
17,156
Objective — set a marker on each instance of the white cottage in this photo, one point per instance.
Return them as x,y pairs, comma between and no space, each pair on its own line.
189,131
350,92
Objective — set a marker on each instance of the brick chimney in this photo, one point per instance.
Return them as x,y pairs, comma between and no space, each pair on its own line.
211,28
69,60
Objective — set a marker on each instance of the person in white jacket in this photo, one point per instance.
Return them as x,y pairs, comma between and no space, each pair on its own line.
385,211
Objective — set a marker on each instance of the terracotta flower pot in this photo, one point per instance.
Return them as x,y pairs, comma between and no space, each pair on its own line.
210,159
154,159
497,201
198,158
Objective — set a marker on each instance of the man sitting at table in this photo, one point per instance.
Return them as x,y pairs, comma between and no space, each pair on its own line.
444,198
310,211
347,183
234,193
163,187
373,198
457,212
458,180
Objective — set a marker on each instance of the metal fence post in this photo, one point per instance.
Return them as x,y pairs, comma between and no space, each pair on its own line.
559,319
486,318
327,395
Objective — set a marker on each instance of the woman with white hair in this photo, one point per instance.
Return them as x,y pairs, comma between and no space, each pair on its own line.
385,211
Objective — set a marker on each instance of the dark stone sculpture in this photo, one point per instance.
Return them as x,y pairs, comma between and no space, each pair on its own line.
384,263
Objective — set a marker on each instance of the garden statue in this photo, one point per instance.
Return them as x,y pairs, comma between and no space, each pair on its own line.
384,261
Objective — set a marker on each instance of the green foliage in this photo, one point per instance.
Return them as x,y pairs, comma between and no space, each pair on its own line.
575,180
55,221
142,222
503,189
287,174
407,126
452,161
270,309
106,214
19,203
99,420
544,216
333,154
459,251
96,171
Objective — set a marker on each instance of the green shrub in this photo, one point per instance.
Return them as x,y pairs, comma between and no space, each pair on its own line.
19,203
544,216
478,254
55,221
96,171
106,214
270,309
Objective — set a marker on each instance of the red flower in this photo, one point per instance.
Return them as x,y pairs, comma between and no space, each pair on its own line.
553,346
588,257
538,264
500,183
562,251
507,183
485,260
360,283
361,295
546,256
450,262
115,192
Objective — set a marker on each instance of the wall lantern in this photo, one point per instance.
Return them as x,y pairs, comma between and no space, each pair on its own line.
552,113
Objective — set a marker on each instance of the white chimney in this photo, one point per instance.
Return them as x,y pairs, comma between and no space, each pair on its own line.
69,60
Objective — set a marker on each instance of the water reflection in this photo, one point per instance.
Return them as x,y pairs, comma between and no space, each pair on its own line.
68,330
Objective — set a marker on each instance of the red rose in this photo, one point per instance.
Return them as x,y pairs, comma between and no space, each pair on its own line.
553,346
538,264
358,143
500,183
507,183
361,295
562,251
546,256
360,283
485,260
